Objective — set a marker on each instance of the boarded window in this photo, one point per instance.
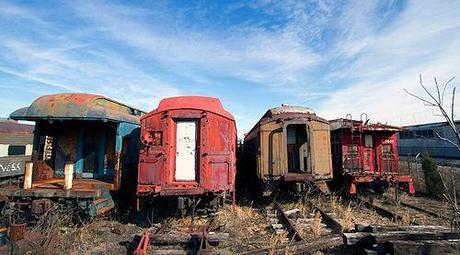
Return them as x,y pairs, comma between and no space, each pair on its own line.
368,141
16,150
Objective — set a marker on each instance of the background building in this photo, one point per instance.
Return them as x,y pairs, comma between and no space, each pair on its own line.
423,138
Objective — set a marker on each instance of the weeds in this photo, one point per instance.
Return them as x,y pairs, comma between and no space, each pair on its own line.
347,218
276,241
316,226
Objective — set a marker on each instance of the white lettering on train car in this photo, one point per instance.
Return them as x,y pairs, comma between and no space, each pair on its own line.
10,167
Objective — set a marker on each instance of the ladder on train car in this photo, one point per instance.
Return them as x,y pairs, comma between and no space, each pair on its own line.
356,129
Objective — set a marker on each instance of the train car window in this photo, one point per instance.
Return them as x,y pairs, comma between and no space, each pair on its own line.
368,141
352,149
387,149
16,150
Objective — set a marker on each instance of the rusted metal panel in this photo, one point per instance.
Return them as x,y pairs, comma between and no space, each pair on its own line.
77,106
206,104
274,150
215,143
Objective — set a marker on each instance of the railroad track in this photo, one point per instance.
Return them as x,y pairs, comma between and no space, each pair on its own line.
281,222
425,210
382,211
405,212
291,223
185,239
296,243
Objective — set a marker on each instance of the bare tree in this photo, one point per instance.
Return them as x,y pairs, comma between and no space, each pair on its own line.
437,100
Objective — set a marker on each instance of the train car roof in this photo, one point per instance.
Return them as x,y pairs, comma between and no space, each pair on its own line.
288,109
77,106
209,104
287,112
348,124
13,127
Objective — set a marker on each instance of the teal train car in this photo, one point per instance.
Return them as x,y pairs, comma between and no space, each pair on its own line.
84,147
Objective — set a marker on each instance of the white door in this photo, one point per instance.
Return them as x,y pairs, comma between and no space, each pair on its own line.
185,151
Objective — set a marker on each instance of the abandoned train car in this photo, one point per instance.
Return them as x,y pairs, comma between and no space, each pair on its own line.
15,148
289,146
83,144
366,154
188,154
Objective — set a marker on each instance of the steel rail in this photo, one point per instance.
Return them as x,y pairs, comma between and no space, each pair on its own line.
293,233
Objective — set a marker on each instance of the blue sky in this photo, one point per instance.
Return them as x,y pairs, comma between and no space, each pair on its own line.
337,57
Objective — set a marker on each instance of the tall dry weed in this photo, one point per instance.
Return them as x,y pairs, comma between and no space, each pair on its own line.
276,241
347,218
316,226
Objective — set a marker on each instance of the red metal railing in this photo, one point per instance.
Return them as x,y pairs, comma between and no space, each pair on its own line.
389,164
352,163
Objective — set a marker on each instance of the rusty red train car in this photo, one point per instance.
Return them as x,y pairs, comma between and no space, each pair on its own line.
188,154
366,153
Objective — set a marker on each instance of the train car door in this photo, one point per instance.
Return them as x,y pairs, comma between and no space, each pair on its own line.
90,160
297,148
368,154
186,138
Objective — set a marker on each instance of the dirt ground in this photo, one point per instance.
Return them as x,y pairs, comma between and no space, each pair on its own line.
247,225
248,228
101,236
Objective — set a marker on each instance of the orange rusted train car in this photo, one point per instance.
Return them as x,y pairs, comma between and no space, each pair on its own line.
188,154
289,146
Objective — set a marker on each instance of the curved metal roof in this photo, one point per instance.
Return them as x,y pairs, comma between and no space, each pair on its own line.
288,109
209,104
77,106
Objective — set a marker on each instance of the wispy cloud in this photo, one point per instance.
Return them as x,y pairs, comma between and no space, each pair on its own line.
424,39
252,53
70,64
336,56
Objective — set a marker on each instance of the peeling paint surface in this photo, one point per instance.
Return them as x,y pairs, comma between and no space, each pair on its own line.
215,147
77,106
272,150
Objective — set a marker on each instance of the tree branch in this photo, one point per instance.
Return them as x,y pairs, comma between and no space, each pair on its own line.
452,111
437,90
428,103
445,86
448,140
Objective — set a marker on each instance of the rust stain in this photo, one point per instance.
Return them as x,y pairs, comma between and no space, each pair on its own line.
215,154
77,106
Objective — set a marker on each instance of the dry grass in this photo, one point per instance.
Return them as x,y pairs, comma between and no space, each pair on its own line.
347,218
98,237
336,205
276,241
316,228
185,221
246,226
49,226
405,218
